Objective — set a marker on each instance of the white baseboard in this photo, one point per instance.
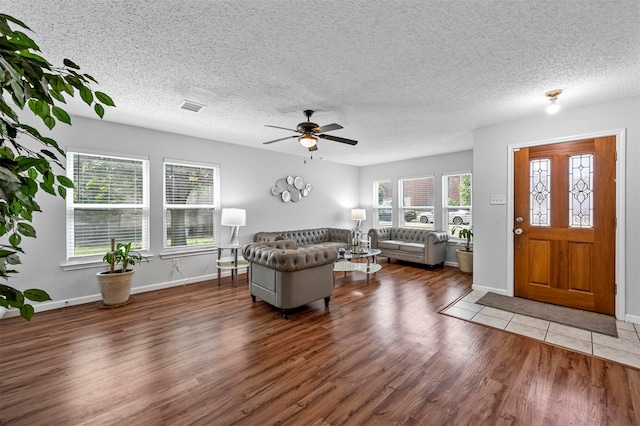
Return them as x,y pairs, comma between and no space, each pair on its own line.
486,289
454,264
57,304
632,318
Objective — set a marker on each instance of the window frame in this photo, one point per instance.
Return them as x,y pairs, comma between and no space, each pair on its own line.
377,205
71,206
403,206
445,204
215,206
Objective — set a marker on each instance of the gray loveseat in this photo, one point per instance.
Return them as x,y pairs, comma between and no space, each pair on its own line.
308,237
287,276
412,245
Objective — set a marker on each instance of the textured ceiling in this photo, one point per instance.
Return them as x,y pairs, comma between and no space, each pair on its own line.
405,78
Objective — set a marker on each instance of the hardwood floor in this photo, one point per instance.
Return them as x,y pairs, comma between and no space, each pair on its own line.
380,354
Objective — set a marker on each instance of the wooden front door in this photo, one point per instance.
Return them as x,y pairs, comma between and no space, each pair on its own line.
565,220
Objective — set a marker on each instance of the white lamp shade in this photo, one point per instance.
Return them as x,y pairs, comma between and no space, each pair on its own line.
358,214
307,140
234,217
553,107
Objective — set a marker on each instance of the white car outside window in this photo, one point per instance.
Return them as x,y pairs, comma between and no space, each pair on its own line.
457,217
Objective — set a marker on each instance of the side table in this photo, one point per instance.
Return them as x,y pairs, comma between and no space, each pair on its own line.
230,263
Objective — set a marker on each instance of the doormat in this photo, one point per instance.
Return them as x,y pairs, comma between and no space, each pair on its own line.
591,321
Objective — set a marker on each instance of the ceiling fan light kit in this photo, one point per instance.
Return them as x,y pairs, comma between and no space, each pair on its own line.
307,140
311,132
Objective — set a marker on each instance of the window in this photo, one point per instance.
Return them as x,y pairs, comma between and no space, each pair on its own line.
457,200
383,202
190,204
418,201
110,200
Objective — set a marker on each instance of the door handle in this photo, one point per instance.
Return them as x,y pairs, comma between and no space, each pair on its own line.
518,231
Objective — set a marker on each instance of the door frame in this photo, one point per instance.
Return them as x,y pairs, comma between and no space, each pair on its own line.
620,266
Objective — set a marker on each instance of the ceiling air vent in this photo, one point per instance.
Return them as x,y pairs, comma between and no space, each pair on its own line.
191,106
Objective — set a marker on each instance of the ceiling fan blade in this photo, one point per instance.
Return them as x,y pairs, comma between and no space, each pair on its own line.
278,127
328,128
338,139
281,139
313,148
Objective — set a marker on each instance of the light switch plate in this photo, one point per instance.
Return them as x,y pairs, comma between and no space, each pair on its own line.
498,199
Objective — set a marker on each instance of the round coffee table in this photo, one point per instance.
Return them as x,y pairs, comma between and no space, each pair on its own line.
345,262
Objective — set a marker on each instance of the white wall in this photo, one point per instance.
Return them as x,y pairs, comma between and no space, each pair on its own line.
490,159
437,166
247,176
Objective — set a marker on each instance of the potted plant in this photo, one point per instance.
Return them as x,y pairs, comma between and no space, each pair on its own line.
465,257
27,79
115,284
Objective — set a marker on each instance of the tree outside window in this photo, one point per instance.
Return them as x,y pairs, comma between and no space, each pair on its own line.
190,205
457,200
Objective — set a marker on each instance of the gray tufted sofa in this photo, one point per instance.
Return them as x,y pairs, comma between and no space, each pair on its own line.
308,237
412,245
287,276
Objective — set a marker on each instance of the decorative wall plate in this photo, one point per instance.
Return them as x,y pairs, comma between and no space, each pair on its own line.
291,189
281,184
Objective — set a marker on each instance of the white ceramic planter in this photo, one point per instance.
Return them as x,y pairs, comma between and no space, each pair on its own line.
465,261
115,288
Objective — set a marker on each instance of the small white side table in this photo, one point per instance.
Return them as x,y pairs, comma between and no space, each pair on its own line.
230,263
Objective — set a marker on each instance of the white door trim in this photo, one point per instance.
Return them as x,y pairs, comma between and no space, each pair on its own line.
621,143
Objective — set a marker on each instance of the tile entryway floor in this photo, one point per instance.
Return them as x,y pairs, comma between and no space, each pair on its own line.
624,349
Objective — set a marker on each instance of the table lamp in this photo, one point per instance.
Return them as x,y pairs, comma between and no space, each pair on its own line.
235,218
358,215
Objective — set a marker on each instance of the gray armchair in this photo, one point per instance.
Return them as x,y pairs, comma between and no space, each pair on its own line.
286,276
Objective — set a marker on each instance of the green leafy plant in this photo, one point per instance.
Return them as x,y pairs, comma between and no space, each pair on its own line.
463,234
31,81
121,255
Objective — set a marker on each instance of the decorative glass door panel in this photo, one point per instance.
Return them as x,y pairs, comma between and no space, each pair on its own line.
581,191
540,184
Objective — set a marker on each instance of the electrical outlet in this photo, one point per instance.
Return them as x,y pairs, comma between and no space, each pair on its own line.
498,199
175,264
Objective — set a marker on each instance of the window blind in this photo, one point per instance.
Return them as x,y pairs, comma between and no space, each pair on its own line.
110,200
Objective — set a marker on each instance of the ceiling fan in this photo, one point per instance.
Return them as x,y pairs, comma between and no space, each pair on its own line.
311,132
